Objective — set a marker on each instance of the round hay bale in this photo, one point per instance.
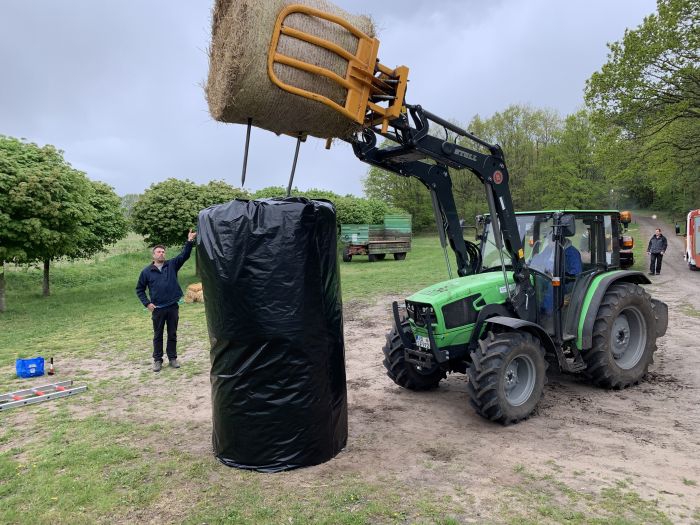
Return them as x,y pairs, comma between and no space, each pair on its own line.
239,87
194,293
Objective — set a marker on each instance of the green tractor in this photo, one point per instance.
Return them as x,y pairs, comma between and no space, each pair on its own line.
540,288
593,318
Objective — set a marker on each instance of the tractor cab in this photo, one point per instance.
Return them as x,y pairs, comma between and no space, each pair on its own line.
564,251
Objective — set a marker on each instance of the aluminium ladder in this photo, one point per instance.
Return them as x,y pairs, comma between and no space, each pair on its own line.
39,394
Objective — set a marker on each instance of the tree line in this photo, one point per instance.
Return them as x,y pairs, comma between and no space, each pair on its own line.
50,211
635,143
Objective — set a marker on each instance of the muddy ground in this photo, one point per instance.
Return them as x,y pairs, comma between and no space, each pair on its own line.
647,435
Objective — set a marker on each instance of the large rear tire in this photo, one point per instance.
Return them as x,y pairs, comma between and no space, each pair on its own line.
403,373
507,376
624,338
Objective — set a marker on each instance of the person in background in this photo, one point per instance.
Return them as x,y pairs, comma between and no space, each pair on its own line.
656,250
160,277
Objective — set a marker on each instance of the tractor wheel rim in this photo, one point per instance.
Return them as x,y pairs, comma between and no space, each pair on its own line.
519,380
628,337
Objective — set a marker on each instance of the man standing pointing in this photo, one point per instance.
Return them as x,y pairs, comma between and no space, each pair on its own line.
656,249
160,277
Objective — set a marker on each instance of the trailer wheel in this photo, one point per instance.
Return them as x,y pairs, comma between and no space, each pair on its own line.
346,255
507,375
405,374
372,257
624,338
400,256
380,256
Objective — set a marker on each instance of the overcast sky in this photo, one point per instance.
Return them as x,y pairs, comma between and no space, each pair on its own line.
118,84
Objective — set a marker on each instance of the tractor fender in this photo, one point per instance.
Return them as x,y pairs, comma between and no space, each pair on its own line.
519,324
599,286
488,311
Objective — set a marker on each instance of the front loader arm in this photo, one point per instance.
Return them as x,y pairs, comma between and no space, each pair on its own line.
375,100
427,158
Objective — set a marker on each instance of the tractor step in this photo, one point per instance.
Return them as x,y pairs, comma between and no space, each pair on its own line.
573,366
570,360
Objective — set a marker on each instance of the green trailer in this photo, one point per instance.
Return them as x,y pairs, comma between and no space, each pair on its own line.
393,236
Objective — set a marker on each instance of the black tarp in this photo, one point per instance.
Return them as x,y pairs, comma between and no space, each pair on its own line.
272,296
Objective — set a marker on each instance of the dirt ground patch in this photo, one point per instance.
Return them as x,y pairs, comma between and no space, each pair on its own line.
647,435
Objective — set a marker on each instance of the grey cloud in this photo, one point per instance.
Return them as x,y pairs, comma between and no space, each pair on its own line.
117,84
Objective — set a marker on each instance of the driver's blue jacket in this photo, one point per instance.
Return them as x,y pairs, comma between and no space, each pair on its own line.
162,284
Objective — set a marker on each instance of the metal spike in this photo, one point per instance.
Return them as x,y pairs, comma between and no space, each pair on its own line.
294,166
245,153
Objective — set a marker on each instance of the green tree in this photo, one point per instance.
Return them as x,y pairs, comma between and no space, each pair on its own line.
127,202
45,203
524,133
567,174
105,225
168,209
646,104
405,193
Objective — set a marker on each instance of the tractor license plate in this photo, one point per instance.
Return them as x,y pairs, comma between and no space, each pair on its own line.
423,342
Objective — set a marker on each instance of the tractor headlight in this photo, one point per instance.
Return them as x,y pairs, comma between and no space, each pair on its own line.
419,312
460,313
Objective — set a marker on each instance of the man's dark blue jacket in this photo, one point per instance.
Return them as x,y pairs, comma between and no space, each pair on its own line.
162,284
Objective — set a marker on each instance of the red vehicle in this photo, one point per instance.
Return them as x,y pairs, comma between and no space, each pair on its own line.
692,240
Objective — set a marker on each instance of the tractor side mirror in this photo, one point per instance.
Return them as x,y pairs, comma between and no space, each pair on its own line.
568,225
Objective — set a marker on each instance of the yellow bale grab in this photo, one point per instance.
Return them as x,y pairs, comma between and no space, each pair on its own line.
367,82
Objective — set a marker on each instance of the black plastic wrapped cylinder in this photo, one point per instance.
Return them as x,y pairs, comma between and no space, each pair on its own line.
272,297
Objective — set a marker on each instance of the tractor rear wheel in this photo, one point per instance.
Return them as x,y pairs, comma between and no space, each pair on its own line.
507,376
624,338
403,373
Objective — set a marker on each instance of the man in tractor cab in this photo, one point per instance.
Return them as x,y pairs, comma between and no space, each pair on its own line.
543,262
573,265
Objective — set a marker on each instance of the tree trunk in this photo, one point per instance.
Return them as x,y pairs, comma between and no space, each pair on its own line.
2,286
46,289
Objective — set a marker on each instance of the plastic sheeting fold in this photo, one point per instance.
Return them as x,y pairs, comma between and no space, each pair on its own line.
274,313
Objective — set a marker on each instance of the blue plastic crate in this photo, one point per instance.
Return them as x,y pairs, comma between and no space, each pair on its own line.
32,367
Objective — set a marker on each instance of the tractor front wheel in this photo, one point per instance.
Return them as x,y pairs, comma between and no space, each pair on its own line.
624,338
347,257
403,373
507,376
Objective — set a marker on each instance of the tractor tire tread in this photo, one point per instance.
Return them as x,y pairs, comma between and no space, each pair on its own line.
599,372
483,374
400,372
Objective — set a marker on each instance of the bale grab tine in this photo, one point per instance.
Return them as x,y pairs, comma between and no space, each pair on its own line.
367,82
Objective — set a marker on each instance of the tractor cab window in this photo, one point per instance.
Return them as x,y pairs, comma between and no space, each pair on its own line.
609,250
533,230
539,251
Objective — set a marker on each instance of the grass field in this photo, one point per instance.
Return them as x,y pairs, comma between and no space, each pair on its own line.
105,456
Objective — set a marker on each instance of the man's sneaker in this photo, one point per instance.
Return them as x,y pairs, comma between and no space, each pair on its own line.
174,363
157,365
